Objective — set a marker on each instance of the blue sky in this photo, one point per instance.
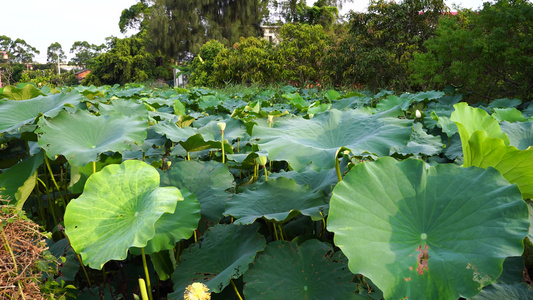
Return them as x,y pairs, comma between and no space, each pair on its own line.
41,23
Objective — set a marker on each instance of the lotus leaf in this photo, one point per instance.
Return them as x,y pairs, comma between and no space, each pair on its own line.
19,180
278,200
504,103
514,291
223,253
301,142
208,181
81,137
117,210
421,143
26,92
520,133
515,165
422,232
510,114
308,271
17,113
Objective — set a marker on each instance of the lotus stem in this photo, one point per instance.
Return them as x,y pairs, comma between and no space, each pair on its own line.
50,202
195,237
337,165
188,156
222,127
280,232
94,167
235,288
142,286
275,231
147,275
54,181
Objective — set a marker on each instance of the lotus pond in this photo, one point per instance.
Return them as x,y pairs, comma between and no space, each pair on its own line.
277,194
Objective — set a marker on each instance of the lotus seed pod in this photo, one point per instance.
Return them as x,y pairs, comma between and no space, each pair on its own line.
418,114
221,125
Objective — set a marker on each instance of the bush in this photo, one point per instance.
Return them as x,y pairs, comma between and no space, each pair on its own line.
202,65
487,54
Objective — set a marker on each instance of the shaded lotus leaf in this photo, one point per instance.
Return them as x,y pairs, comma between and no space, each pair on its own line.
17,113
117,210
190,138
515,165
176,226
448,126
421,143
504,103
208,181
324,180
510,114
301,142
17,182
223,253
499,291
234,129
429,95
392,100
164,263
208,102
81,137
309,271
278,200
520,133
468,120
26,92
439,232
79,175
173,132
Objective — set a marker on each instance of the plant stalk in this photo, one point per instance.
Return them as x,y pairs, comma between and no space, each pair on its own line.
54,181
235,288
222,144
147,275
337,165
142,287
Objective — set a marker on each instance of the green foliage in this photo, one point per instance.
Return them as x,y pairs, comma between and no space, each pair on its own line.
18,50
48,77
485,53
135,17
83,52
54,53
127,60
202,65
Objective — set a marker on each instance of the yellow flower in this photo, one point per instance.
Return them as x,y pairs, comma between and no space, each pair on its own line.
197,291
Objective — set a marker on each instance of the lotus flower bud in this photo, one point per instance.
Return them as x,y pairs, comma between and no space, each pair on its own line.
262,160
418,114
221,125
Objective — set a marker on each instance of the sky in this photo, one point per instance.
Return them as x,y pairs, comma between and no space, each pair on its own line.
43,22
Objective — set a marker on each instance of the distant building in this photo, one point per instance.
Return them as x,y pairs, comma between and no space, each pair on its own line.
80,75
271,33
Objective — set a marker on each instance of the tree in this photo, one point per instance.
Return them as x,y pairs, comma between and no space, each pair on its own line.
18,50
487,54
126,61
83,52
136,16
178,28
55,53
323,12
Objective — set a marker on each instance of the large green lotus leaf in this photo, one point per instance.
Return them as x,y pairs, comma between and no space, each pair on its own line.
173,227
26,92
173,132
510,114
208,181
17,182
278,200
515,165
514,291
318,181
223,253
421,143
504,103
439,232
520,133
79,175
124,107
309,271
301,142
392,100
81,137
468,120
17,113
117,210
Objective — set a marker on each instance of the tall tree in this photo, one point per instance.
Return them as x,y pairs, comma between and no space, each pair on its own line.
83,51
55,52
136,16
178,28
18,50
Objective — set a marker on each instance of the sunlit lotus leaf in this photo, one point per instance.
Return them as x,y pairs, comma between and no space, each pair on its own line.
17,182
421,232
301,142
17,113
234,129
190,138
125,107
26,92
309,271
173,132
224,253
520,133
117,210
510,114
208,181
173,227
515,165
278,200
81,137
501,291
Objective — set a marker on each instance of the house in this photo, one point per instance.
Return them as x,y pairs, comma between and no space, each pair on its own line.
80,75
271,33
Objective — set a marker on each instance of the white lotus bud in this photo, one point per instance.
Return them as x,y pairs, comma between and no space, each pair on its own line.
221,125
270,118
418,114
262,160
